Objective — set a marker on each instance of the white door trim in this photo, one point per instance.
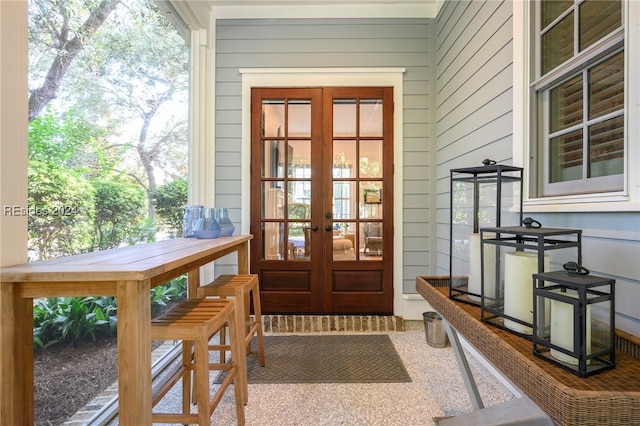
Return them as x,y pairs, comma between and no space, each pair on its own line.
326,77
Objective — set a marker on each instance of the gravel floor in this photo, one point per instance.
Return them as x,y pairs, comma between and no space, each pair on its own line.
436,390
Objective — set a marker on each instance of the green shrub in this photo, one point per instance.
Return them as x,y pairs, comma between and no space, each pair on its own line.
74,319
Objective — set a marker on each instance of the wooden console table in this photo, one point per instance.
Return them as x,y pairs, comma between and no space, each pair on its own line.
608,398
129,273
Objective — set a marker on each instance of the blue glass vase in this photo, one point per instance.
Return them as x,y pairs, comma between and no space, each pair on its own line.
210,227
226,226
192,219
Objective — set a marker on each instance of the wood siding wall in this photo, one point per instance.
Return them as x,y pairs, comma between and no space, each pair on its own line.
310,43
474,122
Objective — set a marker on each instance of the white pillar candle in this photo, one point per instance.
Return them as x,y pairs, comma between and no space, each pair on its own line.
562,329
519,267
475,271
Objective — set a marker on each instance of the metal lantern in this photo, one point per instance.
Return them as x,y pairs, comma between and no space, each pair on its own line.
490,195
509,258
574,316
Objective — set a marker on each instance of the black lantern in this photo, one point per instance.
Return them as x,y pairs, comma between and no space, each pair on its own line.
490,195
510,256
574,315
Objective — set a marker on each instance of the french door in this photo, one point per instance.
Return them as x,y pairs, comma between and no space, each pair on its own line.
321,199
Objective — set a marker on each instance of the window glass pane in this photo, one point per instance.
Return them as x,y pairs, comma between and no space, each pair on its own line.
597,19
552,9
557,44
566,105
299,118
344,117
566,157
371,117
370,159
344,158
606,87
273,118
606,148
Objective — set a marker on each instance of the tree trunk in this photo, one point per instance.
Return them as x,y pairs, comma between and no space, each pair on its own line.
68,49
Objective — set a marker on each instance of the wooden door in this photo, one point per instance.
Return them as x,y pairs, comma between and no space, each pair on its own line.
321,175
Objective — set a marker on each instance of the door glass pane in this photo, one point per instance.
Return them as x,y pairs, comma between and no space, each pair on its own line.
299,241
273,200
606,87
566,157
566,105
344,117
606,148
273,159
370,159
371,117
344,158
371,200
371,237
273,240
344,199
299,159
597,19
557,44
299,118
343,245
273,118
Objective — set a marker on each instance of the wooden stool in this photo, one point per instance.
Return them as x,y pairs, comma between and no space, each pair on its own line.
194,321
245,288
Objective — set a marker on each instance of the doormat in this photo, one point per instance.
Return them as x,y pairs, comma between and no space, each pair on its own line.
359,358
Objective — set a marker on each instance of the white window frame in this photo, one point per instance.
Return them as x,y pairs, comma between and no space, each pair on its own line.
524,108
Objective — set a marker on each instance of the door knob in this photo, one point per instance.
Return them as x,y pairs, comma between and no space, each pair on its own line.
327,215
328,228
314,228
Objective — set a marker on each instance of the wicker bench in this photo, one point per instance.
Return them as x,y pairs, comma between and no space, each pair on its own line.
609,398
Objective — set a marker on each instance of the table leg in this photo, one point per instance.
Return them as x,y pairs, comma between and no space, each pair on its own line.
134,352
243,258
16,357
463,364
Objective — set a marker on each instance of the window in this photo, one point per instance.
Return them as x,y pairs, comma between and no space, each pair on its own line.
579,93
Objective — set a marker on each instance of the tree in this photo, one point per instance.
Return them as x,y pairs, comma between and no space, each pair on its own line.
169,200
119,210
64,36
60,211
136,71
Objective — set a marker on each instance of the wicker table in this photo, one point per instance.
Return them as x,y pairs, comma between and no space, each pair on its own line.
609,398
128,273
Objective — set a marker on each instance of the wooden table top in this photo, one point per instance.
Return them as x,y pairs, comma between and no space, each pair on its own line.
138,262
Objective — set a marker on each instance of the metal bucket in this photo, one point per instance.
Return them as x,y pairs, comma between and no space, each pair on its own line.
434,330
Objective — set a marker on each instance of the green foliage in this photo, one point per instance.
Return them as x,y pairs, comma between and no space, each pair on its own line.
61,209
75,319
174,290
169,200
119,212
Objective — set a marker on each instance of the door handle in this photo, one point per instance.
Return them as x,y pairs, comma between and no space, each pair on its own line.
314,228
328,228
